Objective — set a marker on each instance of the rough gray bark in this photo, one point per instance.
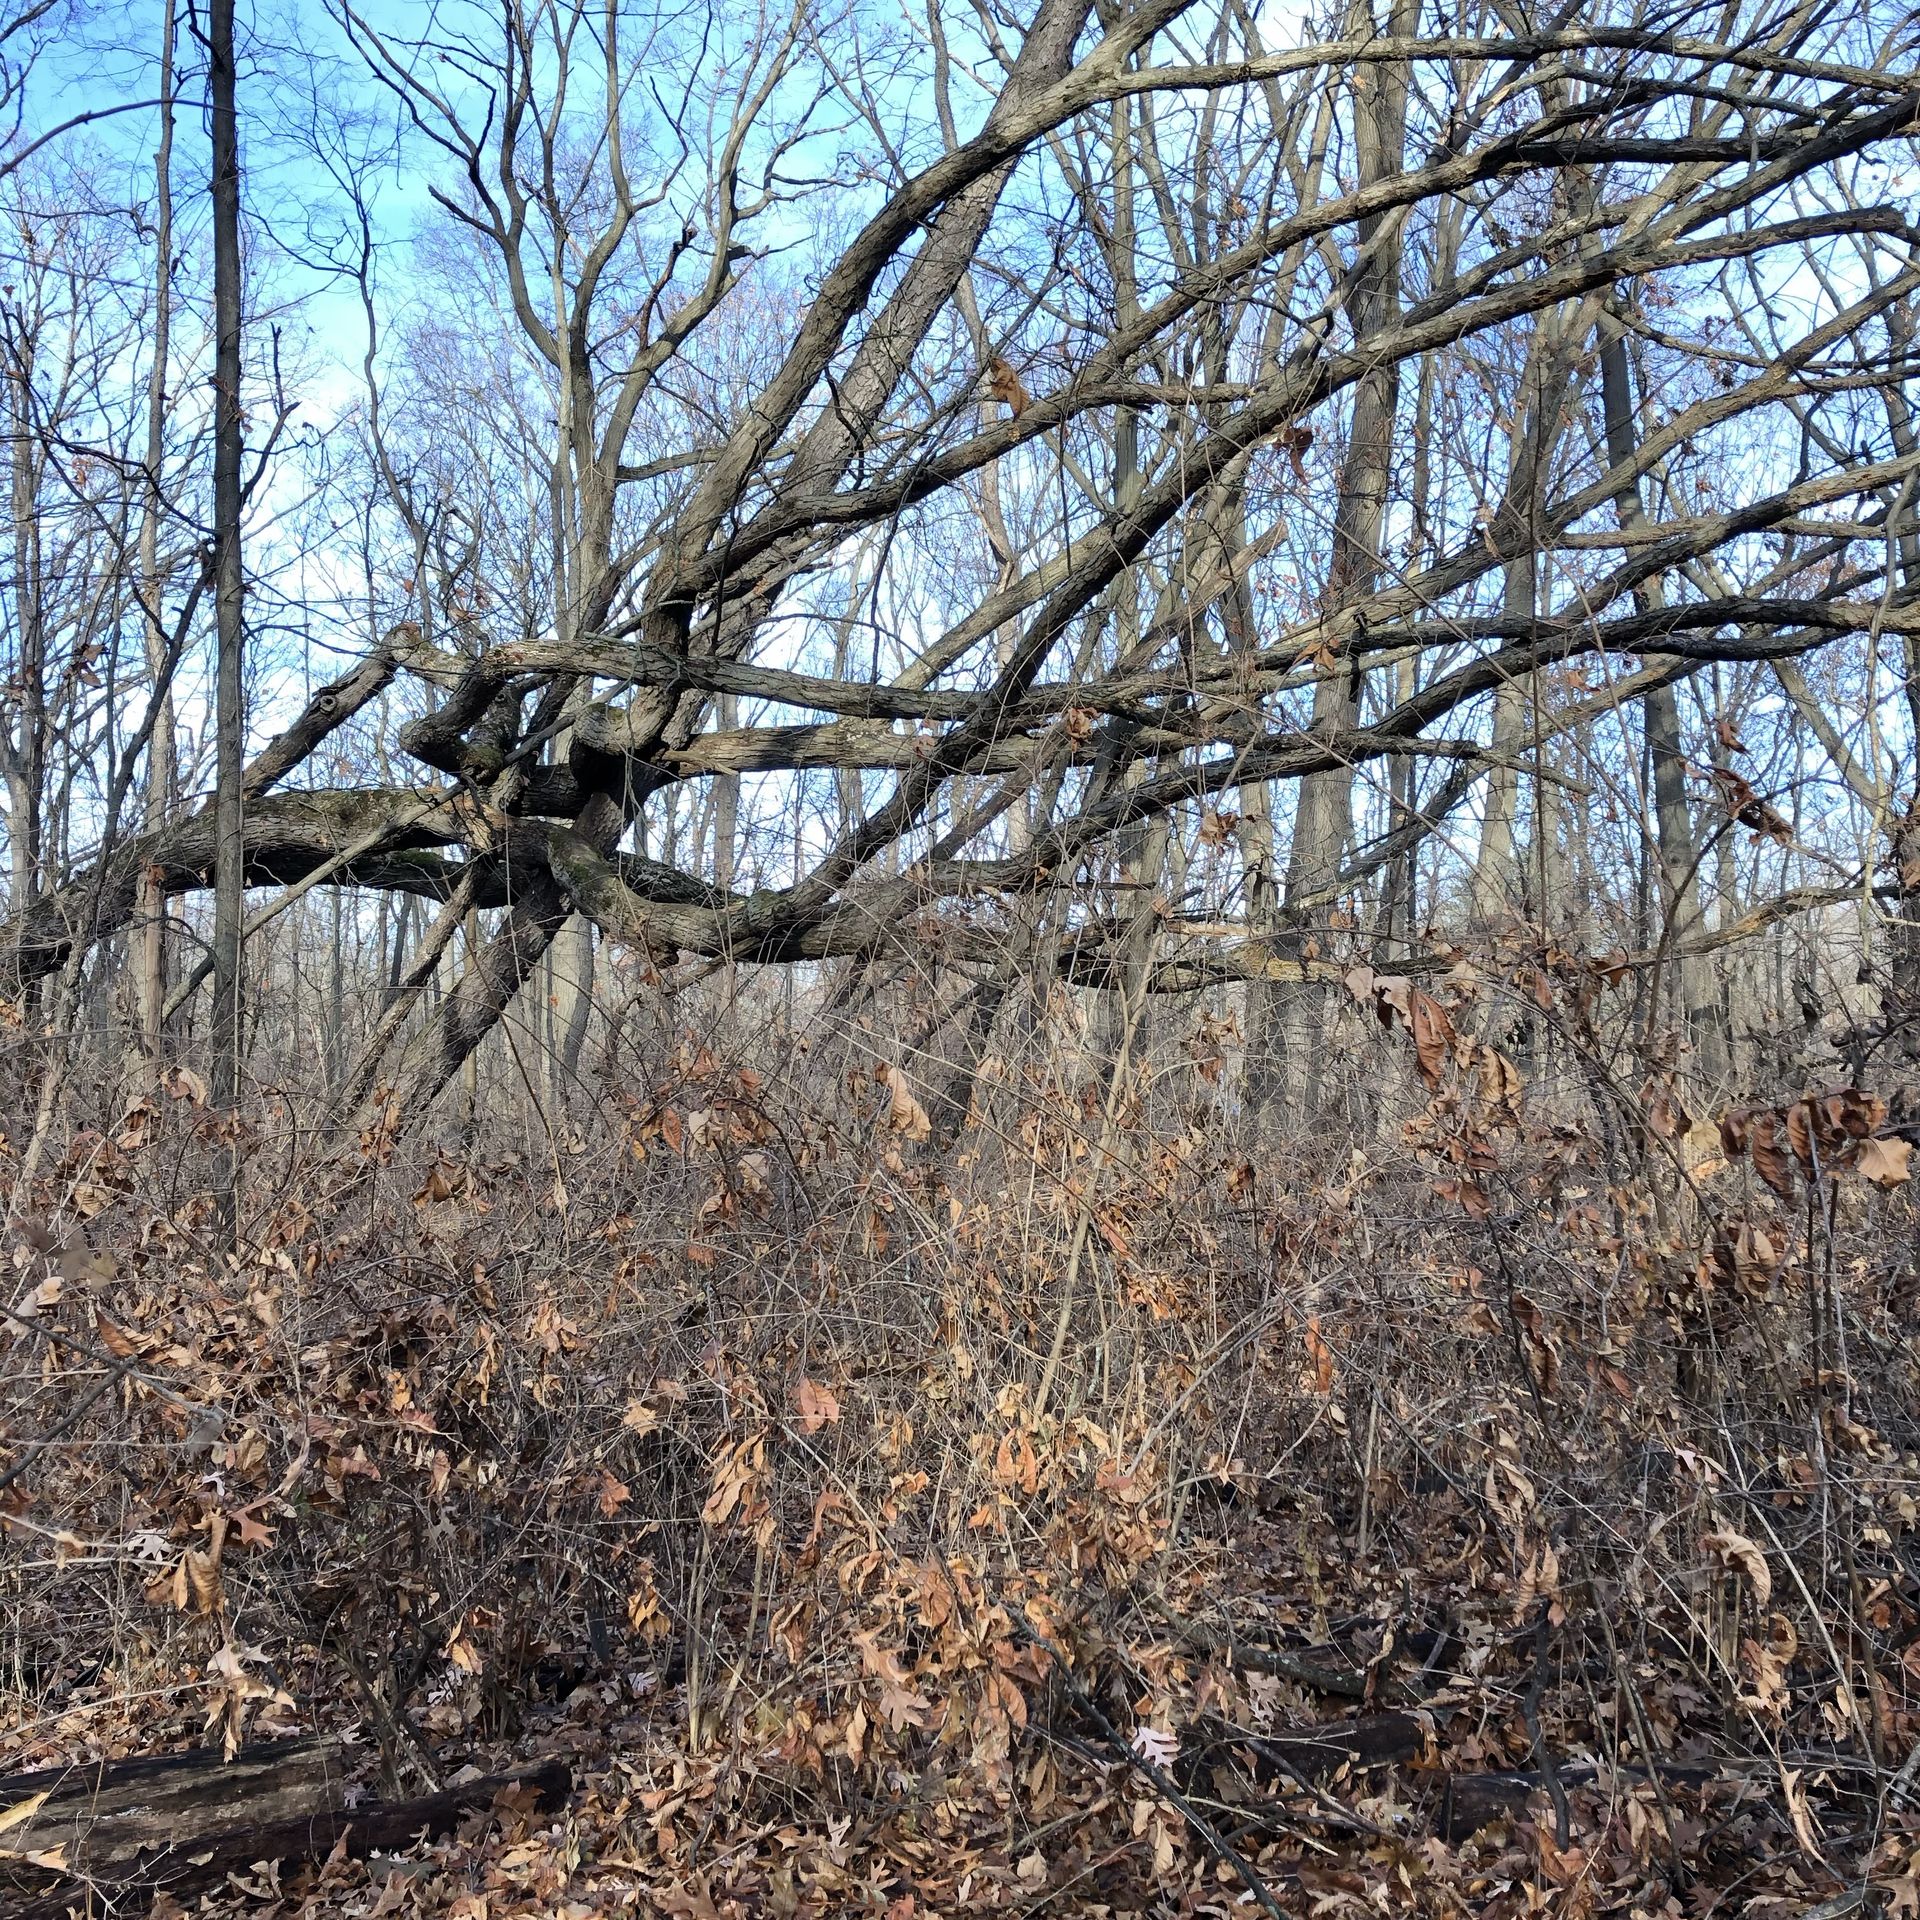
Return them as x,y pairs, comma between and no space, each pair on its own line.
1540,419
226,1032
27,749
1900,1009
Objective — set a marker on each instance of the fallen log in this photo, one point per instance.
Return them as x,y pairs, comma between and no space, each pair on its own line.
1315,1752
1467,1801
180,1823
99,1817
1323,1669
1471,1801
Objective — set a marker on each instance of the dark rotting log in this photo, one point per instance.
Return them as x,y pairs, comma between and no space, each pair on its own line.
1467,1801
1317,1751
100,1817
180,1823
1471,1801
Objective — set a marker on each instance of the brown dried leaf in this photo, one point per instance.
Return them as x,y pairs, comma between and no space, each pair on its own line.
201,1573
1737,1551
22,1810
1749,809
1004,384
1887,1163
1432,1035
816,1405
1800,1812
1769,1162
113,1337
1499,1080
1755,1257
1665,1114
1802,1136
1319,1357
184,1084
1015,1464
1853,1113
905,1114
90,1198
900,1705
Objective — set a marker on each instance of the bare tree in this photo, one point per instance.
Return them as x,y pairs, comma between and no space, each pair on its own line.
229,856
1194,424
161,771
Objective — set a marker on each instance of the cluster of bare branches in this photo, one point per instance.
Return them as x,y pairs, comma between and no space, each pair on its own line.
1145,499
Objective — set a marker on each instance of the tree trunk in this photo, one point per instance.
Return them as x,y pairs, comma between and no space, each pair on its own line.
1292,1016
726,831
229,723
26,770
1678,856
1901,1008
1902,1001
150,913
336,1003
1495,885
492,977
470,1066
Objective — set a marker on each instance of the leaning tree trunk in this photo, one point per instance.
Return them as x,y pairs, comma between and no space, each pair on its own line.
824,452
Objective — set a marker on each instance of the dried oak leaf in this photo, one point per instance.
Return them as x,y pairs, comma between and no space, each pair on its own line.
905,1114
1769,1162
1886,1163
816,1405
1735,1550
1432,1035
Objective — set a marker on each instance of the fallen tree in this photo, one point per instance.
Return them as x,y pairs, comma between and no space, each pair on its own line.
180,1823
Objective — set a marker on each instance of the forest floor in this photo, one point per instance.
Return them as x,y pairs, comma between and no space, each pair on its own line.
1370,1537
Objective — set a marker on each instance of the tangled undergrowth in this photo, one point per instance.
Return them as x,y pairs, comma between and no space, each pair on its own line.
1494,1513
